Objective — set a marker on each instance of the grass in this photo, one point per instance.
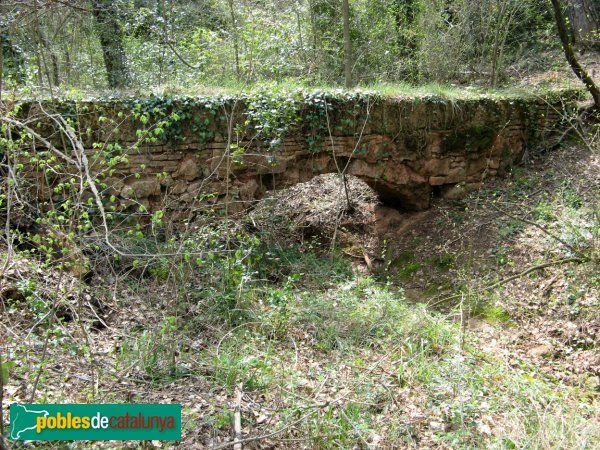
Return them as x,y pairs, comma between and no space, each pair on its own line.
349,362
360,342
493,314
285,87
442,262
364,345
405,266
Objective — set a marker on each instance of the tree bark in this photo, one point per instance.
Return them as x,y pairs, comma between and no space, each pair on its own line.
581,73
1,86
40,50
347,44
111,39
236,44
405,16
584,17
300,40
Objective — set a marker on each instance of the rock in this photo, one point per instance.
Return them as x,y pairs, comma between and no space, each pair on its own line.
542,351
179,187
143,188
407,148
458,191
248,190
188,169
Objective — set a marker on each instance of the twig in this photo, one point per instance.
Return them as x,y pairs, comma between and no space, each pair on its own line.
356,430
82,165
174,50
265,436
1,396
231,332
582,74
541,227
9,188
46,343
548,286
237,418
37,136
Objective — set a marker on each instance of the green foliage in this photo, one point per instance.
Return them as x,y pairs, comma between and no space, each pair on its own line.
12,58
166,117
359,313
232,307
405,265
487,36
442,262
507,229
309,269
218,43
544,212
5,370
156,353
239,364
272,117
493,313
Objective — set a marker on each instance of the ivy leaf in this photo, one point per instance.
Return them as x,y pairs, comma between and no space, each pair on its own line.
6,365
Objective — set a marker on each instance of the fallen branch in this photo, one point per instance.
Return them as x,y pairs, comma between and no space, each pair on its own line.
541,227
1,397
514,277
264,436
237,419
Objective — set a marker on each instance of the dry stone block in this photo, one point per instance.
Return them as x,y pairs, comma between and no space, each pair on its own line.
188,169
407,147
142,188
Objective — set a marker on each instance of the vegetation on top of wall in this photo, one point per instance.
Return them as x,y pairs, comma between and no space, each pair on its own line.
200,95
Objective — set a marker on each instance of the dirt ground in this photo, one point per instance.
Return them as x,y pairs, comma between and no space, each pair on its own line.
550,318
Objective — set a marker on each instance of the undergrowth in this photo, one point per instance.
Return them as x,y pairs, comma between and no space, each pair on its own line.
324,355
337,359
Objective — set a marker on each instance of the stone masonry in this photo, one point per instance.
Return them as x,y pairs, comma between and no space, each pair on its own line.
406,149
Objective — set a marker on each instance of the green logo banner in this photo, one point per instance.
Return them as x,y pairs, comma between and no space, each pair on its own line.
95,422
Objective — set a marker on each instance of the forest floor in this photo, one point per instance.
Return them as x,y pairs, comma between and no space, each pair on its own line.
475,324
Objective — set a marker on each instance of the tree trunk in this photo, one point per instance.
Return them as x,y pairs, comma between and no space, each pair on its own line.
584,17
11,57
347,44
111,39
581,73
41,57
1,86
236,44
405,16
300,40
313,28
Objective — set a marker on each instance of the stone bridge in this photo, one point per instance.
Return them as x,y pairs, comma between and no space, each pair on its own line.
233,151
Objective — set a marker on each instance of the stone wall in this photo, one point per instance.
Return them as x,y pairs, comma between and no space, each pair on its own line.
406,149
